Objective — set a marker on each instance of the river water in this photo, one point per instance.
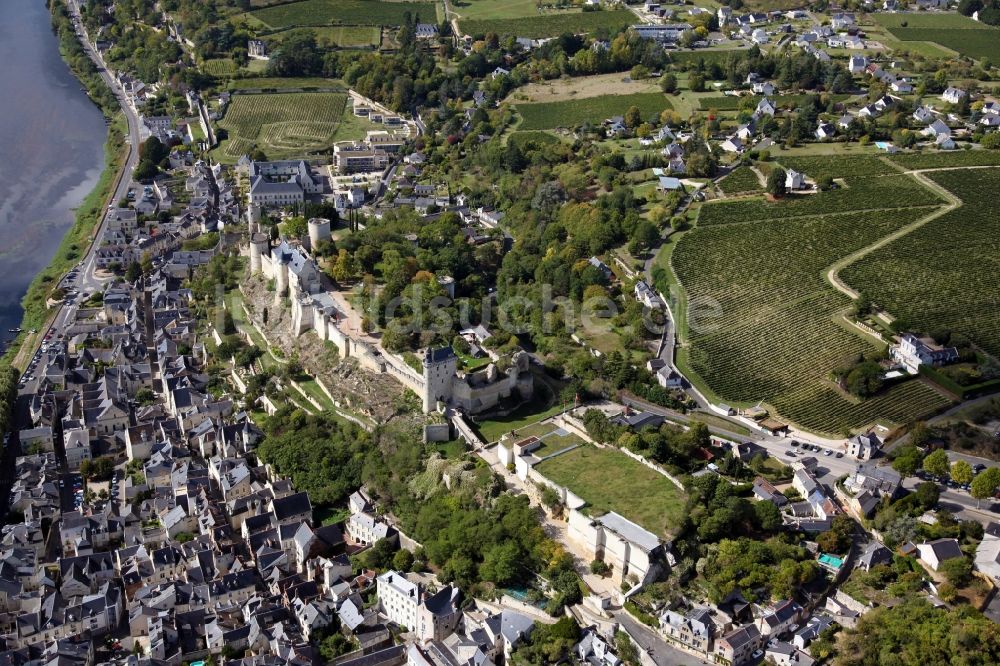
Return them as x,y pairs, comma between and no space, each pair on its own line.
51,149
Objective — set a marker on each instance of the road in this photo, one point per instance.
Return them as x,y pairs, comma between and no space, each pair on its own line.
89,279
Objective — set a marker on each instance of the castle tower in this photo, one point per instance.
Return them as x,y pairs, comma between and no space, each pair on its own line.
259,245
280,280
319,230
253,218
439,372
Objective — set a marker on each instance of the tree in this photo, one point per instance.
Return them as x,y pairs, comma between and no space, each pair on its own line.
927,494
345,268
961,472
958,571
776,182
936,464
402,560
145,170
626,649
133,272
986,484
696,82
633,117
295,227
668,83
991,141
599,568
864,379
907,460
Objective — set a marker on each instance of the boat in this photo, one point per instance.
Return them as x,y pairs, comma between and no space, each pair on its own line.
14,330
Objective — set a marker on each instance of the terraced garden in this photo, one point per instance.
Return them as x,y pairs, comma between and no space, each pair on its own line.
549,25
569,113
763,323
739,181
282,124
944,275
898,191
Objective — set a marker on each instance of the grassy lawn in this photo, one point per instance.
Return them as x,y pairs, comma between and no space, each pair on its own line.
713,421
491,429
329,515
313,390
608,480
451,449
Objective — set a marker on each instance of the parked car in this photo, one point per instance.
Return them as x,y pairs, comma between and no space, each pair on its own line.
828,452
840,454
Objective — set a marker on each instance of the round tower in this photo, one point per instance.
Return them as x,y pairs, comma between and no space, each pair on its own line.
280,280
259,244
253,217
319,230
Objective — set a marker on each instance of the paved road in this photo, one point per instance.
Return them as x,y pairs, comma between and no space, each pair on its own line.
89,279
661,652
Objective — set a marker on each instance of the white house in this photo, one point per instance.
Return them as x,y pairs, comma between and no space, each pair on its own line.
953,95
758,36
944,142
763,88
936,128
912,352
863,447
429,617
933,553
794,180
923,115
765,106
825,131
857,64
988,552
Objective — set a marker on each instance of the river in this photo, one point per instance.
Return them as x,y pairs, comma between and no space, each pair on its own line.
51,150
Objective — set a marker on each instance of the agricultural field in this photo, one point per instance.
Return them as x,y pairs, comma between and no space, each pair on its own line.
579,87
282,124
953,31
549,25
943,160
739,181
331,12
608,480
944,275
285,83
500,9
856,166
353,36
763,322
897,191
732,102
569,113
220,67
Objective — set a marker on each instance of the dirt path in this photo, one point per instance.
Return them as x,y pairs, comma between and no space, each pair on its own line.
833,273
